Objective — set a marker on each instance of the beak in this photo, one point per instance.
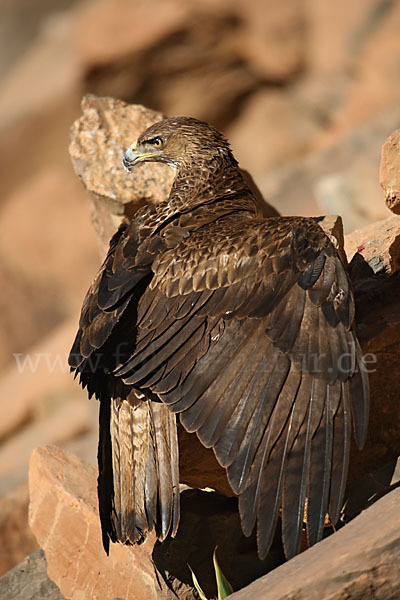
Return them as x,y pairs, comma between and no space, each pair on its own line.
131,158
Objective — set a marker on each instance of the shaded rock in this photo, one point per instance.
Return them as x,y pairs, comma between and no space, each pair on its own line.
390,171
178,61
16,538
359,561
29,581
274,42
374,254
378,244
205,471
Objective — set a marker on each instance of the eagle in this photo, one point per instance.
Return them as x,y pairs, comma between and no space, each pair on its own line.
239,325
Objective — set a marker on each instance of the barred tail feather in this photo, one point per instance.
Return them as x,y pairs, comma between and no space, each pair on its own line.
138,470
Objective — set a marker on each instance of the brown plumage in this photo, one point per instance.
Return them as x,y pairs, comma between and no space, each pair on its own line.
240,325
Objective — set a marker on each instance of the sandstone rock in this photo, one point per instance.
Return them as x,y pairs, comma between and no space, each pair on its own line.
378,244
48,53
390,171
374,255
359,561
169,55
275,39
70,420
64,518
16,538
29,581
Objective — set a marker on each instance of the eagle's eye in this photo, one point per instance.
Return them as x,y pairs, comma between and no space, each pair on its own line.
157,142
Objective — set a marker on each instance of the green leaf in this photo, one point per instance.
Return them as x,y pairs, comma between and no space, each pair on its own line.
197,585
224,587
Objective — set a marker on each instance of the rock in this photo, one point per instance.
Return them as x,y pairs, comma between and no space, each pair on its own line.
64,518
145,62
378,244
16,538
374,255
390,171
205,472
359,561
70,420
29,581
65,521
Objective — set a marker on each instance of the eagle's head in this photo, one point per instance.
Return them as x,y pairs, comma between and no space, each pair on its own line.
178,142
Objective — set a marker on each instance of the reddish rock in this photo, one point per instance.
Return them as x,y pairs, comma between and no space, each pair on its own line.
172,56
378,244
359,561
390,171
64,518
274,41
354,50
374,256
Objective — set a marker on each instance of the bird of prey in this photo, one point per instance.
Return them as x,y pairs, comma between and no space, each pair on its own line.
240,326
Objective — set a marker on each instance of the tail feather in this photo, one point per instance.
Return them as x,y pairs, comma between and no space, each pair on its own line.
138,470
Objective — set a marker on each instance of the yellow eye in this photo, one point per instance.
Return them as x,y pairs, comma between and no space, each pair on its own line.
158,142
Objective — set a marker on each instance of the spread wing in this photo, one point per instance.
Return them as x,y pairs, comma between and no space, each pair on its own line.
245,331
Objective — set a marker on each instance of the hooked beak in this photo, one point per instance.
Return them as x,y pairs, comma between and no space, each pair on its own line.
132,157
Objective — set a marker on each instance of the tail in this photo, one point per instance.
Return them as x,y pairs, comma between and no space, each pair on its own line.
138,484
